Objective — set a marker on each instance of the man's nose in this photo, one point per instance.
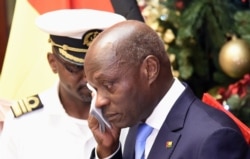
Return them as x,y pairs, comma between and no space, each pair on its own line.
101,100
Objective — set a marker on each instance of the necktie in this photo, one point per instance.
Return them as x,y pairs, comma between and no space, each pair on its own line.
143,132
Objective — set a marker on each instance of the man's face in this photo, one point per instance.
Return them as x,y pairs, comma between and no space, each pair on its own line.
72,79
120,90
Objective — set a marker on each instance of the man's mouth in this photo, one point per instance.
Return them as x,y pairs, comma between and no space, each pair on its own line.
112,117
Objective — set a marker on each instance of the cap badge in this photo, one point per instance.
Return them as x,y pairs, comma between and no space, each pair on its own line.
89,36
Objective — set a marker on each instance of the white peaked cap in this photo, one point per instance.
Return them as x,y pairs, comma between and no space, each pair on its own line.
72,30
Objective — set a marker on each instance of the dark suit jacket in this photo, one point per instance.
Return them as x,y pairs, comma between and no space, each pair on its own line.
197,131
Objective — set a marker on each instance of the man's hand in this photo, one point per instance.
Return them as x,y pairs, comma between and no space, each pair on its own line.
108,141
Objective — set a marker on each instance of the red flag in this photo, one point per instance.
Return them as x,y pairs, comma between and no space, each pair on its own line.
43,6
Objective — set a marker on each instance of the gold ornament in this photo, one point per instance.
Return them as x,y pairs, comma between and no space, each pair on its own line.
168,36
234,57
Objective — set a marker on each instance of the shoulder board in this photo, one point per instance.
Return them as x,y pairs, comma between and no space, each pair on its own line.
26,105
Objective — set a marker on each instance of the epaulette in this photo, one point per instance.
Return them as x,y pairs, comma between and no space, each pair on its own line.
26,105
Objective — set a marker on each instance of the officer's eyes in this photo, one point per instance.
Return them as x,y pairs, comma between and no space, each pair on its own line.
74,68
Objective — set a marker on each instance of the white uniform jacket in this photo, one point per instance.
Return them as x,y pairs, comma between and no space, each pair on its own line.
46,133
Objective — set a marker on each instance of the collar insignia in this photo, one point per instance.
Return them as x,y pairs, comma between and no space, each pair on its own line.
169,144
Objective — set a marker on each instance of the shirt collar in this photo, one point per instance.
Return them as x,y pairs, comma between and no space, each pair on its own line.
161,111
51,100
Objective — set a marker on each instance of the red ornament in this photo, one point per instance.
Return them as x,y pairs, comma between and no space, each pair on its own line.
179,4
240,88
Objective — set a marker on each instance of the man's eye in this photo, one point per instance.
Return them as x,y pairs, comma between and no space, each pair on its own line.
108,85
74,69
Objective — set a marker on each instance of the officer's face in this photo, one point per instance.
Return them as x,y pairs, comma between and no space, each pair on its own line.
72,79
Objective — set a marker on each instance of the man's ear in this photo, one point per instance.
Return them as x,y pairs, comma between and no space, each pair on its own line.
52,62
151,68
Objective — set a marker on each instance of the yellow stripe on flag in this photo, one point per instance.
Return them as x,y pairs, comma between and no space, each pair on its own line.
25,70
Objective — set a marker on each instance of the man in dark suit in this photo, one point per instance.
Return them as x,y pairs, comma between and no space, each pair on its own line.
131,72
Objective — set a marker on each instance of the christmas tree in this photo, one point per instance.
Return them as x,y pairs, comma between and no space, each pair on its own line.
208,43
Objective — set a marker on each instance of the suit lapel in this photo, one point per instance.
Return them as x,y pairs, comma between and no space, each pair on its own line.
129,149
164,145
170,132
